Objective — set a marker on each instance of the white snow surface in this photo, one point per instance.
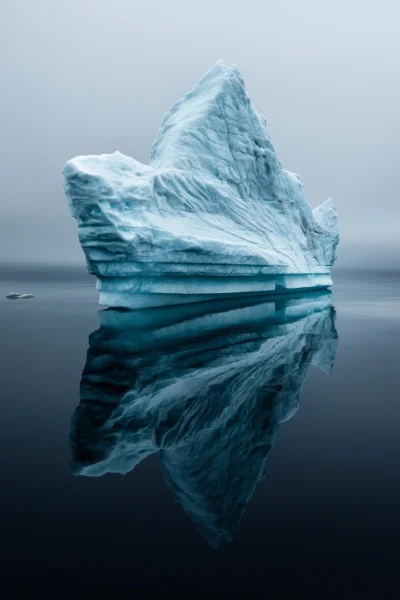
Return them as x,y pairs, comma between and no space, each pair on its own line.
213,213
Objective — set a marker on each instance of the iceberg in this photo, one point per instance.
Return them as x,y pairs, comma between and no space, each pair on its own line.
206,386
213,214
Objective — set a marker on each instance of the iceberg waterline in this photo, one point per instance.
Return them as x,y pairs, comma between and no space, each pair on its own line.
213,213
206,386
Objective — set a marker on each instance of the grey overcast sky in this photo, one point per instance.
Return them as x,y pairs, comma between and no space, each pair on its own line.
94,76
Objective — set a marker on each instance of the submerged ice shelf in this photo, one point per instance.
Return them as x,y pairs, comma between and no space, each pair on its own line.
206,386
213,214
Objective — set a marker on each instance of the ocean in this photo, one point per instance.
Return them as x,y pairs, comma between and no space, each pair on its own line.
259,440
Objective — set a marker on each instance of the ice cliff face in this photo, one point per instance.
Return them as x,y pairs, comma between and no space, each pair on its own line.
204,385
213,213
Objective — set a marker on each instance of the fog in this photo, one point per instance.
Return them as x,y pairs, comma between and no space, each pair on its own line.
94,76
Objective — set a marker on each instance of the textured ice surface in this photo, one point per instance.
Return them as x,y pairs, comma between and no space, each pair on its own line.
213,213
206,386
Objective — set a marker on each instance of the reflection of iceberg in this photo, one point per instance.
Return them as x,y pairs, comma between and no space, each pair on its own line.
207,390
213,213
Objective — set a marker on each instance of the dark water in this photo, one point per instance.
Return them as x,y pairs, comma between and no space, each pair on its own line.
235,479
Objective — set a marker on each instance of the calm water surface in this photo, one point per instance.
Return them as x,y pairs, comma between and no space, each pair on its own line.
233,478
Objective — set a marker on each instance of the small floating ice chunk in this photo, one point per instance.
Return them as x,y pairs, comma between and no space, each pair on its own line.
17,296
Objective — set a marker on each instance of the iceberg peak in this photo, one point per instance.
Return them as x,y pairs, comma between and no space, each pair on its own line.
213,213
